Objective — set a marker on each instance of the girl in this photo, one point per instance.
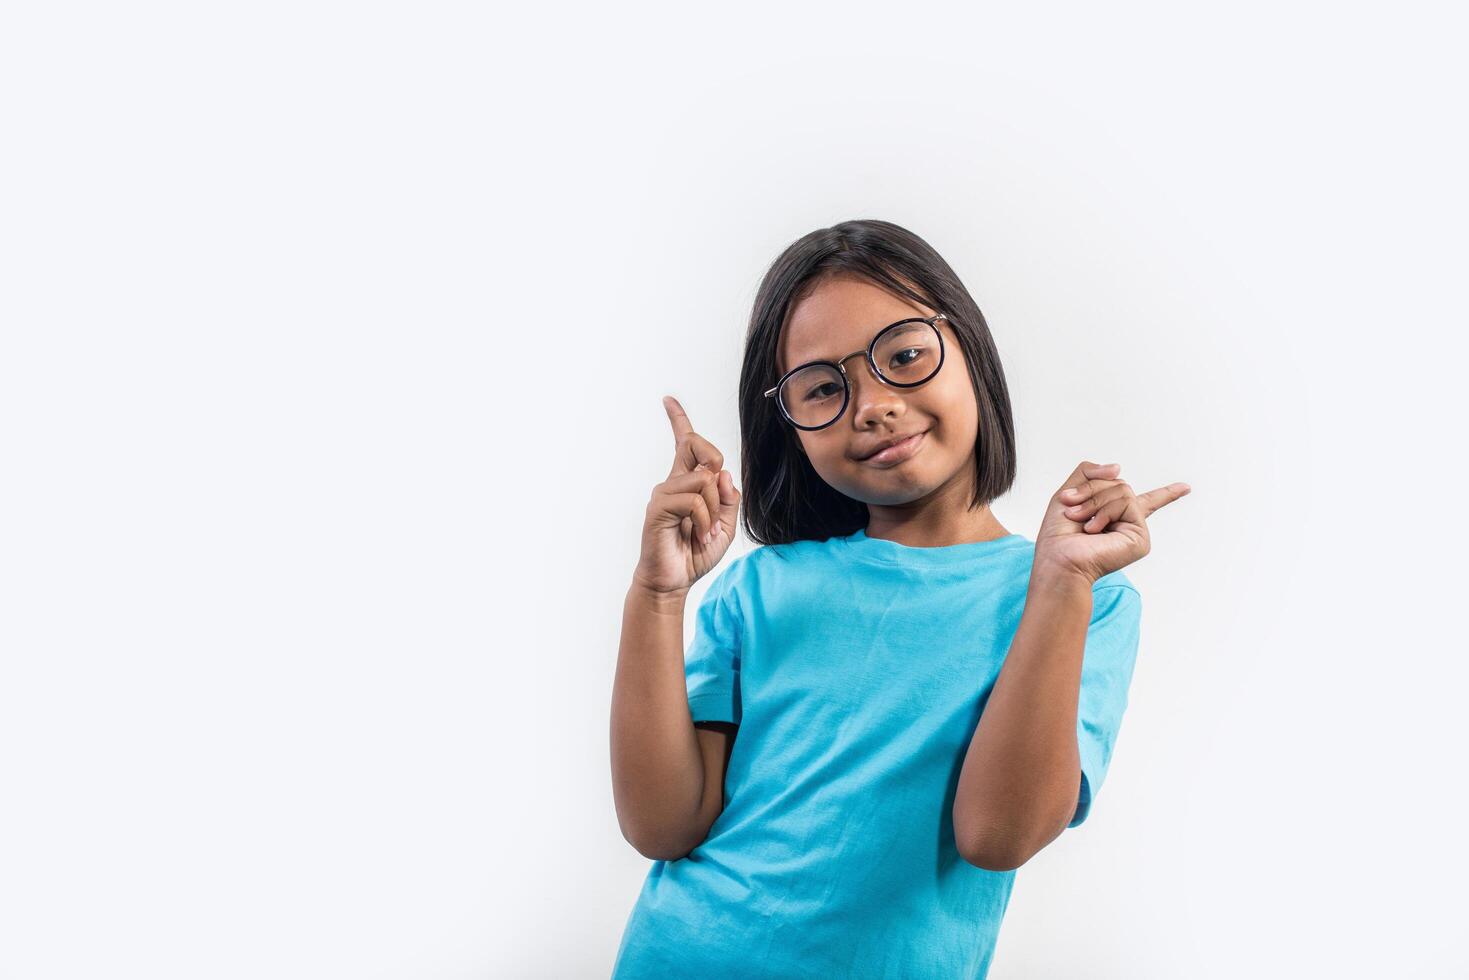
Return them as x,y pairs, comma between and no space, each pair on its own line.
893,702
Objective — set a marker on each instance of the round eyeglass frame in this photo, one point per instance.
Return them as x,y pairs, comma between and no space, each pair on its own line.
840,365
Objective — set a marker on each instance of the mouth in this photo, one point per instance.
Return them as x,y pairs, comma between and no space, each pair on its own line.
897,452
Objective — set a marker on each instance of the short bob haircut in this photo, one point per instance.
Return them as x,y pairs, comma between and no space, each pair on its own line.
784,498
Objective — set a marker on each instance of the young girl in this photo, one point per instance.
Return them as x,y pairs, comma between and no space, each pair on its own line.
893,702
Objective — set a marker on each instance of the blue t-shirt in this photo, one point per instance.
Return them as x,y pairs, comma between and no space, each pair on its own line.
857,669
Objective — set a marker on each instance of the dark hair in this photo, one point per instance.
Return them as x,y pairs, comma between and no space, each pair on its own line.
784,498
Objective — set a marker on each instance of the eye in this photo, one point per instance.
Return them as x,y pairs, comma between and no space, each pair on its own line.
816,394
897,361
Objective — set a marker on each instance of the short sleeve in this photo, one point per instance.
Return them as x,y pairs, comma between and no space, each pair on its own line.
1106,672
712,660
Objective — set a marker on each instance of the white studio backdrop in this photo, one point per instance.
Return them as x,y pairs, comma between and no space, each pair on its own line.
334,337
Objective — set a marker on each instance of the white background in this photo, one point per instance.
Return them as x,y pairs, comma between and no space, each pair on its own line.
310,591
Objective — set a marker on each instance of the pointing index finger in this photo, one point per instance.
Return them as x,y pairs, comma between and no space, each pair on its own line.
1155,499
676,416
685,456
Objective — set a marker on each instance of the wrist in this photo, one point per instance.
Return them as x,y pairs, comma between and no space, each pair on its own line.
1060,580
657,600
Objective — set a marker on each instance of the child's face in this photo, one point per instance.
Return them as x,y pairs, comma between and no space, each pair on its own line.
843,315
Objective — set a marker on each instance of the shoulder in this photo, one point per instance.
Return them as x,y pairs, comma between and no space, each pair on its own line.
741,573
767,566
733,576
1111,582
1116,604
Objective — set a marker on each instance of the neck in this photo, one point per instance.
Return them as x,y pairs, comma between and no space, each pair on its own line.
941,518
932,529
936,522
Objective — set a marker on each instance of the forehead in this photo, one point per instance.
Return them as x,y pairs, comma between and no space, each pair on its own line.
840,316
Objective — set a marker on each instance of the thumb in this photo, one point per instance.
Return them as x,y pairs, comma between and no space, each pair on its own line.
729,499
1087,470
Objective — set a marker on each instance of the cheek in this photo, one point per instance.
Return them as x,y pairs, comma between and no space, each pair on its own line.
821,452
955,421
965,422
961,408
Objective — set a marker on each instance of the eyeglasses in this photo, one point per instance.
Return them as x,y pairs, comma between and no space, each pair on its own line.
910,353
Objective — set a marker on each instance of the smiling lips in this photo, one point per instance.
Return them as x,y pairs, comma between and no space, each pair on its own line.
897,452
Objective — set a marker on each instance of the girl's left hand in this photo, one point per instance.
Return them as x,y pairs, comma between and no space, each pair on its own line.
1095,524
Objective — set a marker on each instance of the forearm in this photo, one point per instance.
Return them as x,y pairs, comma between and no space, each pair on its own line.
1022,772
657,768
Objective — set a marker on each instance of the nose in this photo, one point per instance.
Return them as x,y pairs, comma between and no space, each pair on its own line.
871,397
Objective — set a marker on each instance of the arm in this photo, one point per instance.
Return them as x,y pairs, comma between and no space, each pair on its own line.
664,803
1021,777
716,742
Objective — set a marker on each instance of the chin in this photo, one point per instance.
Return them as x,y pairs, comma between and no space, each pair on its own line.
901,484
890,488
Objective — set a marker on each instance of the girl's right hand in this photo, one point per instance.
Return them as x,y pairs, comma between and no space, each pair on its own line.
690,521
